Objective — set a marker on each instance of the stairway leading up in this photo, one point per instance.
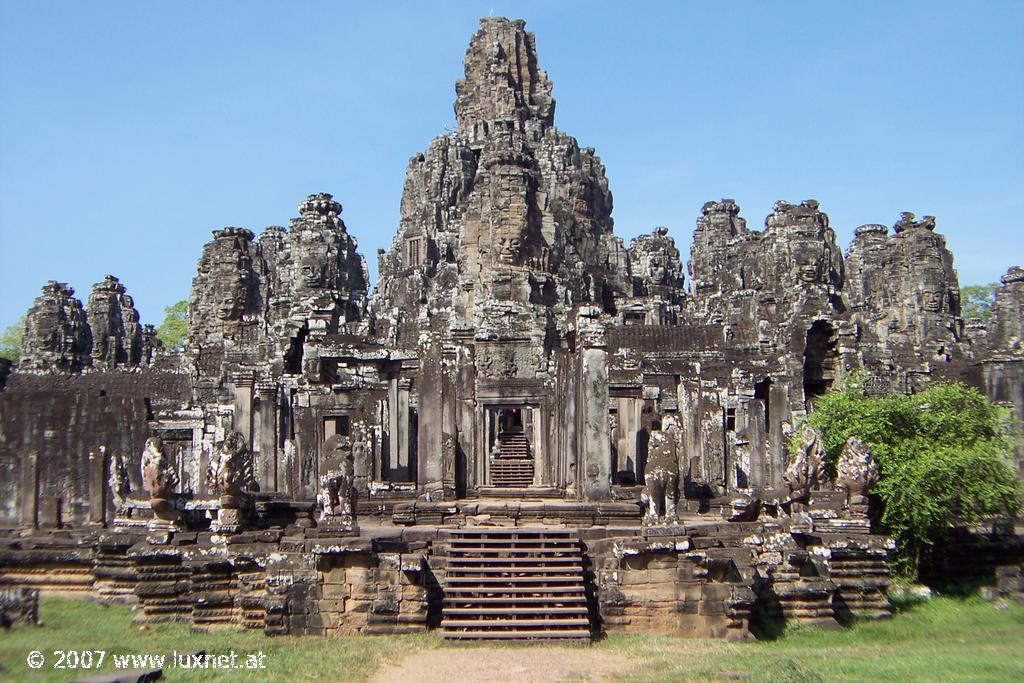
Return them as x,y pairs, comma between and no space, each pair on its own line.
515,584
514,467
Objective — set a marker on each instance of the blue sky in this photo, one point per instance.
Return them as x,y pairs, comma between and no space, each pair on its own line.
130,130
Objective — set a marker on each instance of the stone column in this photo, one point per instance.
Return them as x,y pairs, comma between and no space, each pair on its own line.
449,421
30,491
431,417
756,435
630,412
466,427
98,486
242,422
398,428
712,441
594,462
778,411
267,438
393,427
480,469
542,460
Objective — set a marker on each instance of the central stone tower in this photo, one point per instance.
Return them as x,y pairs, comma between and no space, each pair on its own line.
505,262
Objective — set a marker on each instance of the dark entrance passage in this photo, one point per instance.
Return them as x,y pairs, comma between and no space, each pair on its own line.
511,455
820,357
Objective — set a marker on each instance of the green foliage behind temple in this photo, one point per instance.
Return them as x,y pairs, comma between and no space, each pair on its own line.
976,300
174,328
10,341
943,455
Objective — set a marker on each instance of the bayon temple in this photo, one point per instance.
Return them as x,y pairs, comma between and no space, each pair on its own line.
524,428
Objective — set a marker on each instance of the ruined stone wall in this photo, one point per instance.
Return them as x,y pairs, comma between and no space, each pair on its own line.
723,580
61,420
707,580
281,584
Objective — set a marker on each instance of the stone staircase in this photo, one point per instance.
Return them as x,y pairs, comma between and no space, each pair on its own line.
514,584
514,467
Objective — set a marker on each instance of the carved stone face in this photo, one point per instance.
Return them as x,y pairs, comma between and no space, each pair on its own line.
808,271
932,299
234,444
657,269
312,271
508,249
232,303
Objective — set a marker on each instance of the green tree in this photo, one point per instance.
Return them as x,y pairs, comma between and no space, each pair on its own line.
174,328
976,300
10,341
944,459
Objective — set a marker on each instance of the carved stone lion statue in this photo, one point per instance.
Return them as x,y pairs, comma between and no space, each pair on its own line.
856,472
806,471
120,485
661,475
336,479
159,479
230,472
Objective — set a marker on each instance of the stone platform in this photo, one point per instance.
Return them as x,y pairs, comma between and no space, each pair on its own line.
701,576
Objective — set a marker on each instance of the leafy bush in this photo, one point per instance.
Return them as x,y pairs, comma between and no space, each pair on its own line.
944,458
976,300
10,341
174,328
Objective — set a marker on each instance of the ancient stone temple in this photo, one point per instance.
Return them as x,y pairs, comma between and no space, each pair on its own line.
524,428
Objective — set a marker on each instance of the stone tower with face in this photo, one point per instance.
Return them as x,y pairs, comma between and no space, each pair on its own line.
116,331
904,293
506,221
57,334
329,279
225,291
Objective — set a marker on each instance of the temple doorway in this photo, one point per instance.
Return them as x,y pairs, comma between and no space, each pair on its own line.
820,356
511,451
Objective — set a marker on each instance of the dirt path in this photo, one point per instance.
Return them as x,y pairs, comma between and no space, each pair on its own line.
496,664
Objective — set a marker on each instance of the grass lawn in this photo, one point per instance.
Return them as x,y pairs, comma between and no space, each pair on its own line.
944,639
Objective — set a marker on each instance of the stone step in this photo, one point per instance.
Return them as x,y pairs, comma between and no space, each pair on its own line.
491,580
515,591
514,583
519,634
498,611
525,570
531,560
512,534
522,600
523,539
512,623
488,554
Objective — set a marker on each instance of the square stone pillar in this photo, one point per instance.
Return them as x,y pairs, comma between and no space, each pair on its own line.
242,422
594,462
778,414
98,486
756,432
466,453
449,421
398,429
430,427
267,438
29,489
